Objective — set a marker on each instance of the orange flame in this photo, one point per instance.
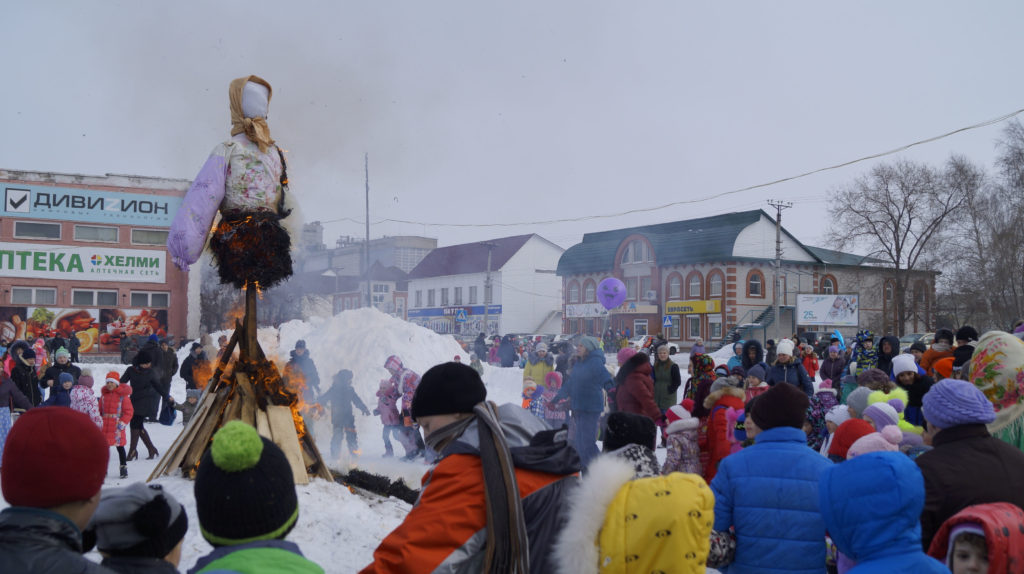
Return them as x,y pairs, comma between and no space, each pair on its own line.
287,390
202,372
236,313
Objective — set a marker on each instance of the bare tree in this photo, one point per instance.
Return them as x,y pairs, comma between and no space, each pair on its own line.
984,278
896,212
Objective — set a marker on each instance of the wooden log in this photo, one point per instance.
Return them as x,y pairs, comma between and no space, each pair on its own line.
321,469
248,397
176,452
282,427
263,424
233,410
226,357
248,350
205,432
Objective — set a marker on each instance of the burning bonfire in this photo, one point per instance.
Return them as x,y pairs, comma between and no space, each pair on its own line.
251,389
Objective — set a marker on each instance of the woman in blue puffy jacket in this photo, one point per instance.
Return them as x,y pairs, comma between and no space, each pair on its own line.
585,388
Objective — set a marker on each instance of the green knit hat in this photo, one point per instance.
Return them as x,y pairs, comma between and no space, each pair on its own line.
244,488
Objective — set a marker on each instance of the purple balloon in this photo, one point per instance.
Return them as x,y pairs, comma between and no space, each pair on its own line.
611,292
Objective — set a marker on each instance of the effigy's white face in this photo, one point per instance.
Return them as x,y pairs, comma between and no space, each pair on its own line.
255,100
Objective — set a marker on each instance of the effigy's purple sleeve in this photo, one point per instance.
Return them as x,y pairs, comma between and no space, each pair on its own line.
192,223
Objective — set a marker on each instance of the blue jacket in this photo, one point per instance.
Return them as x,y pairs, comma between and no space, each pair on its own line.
769,493
793,373
872,508
587,379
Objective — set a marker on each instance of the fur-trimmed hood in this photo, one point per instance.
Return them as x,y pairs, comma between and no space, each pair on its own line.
680,425
576,548
533,358
711,399
608,509
751,344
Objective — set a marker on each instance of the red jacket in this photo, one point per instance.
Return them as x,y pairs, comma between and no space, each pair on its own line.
448,523
718,426
811,365
636,393
116,406
1003,524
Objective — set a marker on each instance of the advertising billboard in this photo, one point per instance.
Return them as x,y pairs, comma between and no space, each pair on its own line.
97,330
840,310
39,261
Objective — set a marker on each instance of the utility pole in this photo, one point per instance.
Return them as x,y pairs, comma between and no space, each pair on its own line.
779,206
487,285
366,245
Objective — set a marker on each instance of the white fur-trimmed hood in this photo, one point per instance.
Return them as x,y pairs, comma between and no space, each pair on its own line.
682,424
576,549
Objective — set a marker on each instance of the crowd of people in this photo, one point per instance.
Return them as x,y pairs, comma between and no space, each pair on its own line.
869,460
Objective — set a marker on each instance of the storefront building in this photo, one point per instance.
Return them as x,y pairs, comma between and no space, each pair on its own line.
86,256
504,285
712,278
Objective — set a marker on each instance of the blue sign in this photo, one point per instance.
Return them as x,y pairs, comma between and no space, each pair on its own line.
474,310
460,317
88,205
666,321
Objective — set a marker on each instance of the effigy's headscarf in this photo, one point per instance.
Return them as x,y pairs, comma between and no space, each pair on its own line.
997,368
253,125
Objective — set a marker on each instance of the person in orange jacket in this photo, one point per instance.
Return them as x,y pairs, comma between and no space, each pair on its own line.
465,520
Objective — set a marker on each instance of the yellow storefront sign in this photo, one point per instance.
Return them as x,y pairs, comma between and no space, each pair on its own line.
691,307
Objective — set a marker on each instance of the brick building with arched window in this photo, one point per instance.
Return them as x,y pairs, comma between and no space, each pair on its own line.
714,278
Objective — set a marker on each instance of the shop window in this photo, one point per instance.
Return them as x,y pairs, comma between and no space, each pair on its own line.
89,298
34,230
715,285
33,296
95,233
692,326
755,284
828,285
472,294
674,329
693,286
631,286
639,327
150,299
574,292
589,292
715,327
638,251
457,294
645,286
430,297
149,237
444,296
675,287
419,298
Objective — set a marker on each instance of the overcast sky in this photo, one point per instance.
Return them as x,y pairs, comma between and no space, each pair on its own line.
488,113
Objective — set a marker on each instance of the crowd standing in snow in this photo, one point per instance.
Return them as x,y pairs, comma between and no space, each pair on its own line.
775,471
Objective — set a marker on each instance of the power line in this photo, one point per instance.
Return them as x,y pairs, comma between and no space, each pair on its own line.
982,124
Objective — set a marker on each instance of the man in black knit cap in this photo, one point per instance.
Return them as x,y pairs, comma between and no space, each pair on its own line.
468,517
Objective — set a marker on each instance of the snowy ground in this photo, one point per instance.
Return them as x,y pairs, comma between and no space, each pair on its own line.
336,528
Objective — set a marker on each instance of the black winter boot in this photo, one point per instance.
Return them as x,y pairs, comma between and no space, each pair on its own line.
124,471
